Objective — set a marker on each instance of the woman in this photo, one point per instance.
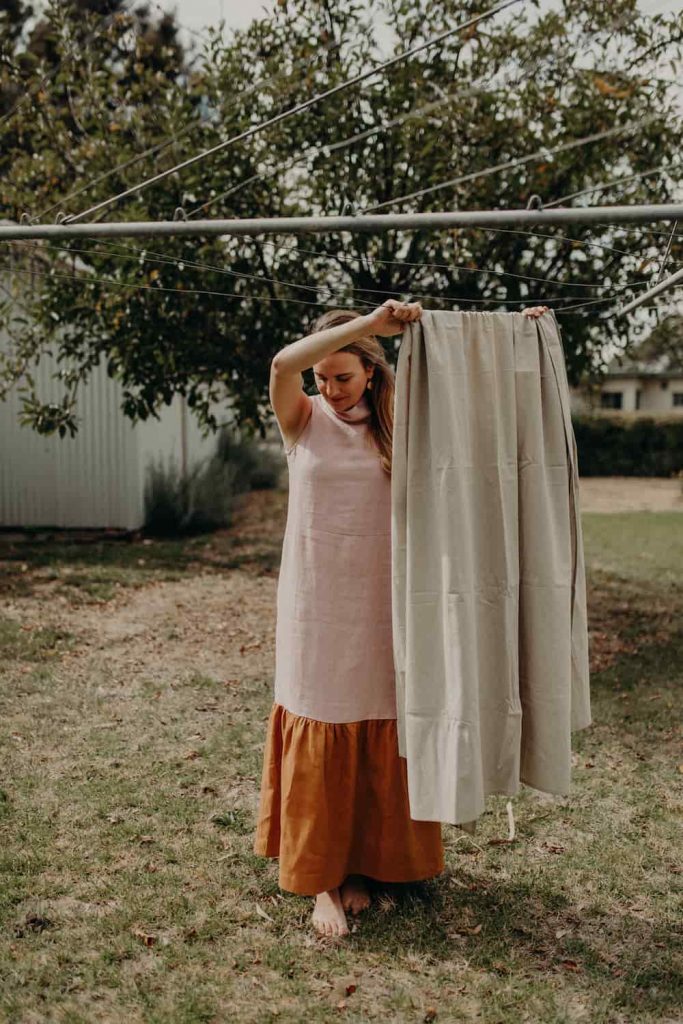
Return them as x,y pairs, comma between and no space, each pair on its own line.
334,800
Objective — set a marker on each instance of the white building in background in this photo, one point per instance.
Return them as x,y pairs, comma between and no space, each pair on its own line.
97,478
634,386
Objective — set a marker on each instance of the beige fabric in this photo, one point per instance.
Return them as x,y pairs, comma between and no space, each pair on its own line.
488,581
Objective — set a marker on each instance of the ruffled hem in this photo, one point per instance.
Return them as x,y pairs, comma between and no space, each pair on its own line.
334,802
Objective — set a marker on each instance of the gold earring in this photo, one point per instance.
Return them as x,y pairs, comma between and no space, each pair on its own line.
370,384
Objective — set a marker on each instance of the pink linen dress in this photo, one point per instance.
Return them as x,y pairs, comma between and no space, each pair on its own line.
334,652
334,790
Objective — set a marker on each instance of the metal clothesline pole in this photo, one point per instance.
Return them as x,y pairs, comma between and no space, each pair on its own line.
668,282
367,223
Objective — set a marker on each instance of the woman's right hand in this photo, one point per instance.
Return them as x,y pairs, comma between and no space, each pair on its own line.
392,316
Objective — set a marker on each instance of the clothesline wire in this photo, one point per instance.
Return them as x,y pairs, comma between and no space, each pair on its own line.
665,257
127,163
312,150
385,65
563,240
490,170
258,85
327,148
641,230
677,305
162,144
154,257
511,164
358,301
302,302
479,270
120,167
176,261
613,183
189,126
179,291
445,266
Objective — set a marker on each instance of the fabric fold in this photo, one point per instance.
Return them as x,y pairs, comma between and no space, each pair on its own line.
488,578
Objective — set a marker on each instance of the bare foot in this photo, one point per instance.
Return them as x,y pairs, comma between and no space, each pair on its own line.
354,894
328,914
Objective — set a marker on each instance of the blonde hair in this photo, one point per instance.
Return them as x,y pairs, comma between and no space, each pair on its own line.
381,395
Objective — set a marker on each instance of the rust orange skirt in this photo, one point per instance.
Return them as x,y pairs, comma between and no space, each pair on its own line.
334,802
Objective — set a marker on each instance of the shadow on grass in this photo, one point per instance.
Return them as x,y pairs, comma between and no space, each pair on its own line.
531,929
92,567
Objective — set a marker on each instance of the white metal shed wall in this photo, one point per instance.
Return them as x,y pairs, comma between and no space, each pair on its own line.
96,479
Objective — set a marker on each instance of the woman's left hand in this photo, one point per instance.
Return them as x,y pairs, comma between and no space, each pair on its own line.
535,311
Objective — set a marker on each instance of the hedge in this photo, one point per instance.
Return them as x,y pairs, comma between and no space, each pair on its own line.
621,444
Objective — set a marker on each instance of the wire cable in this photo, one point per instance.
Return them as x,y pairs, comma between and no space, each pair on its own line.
267,298
541,154
178,291
574,310
666,254
257,86
605,185
136,189
313,288
329,148
448,266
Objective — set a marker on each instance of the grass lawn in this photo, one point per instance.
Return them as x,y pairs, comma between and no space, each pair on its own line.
135,684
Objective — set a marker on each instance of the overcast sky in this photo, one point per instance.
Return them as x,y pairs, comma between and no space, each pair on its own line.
197,14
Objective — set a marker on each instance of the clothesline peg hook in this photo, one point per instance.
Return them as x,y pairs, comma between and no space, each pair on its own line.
535,202
179,213
348,208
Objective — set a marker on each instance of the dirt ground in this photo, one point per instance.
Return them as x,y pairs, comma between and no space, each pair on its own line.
138,682
630,494
207,622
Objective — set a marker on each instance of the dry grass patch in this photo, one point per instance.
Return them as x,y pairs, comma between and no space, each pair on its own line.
129,791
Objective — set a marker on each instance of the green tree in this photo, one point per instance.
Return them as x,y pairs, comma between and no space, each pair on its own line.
510,86
665,343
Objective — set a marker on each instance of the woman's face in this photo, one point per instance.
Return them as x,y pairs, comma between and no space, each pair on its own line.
341,379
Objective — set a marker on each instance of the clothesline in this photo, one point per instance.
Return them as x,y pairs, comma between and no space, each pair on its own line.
250,132
181,263
580,214
188,127
266,298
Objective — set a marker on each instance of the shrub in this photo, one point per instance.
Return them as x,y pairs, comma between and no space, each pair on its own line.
256,467
183,504
623,445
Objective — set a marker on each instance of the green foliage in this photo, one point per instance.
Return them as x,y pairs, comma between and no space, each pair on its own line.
622,446
198,501
203,317
256,468
202,499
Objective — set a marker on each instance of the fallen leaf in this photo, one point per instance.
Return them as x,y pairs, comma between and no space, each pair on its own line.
469,931
145,937
262,912
607,89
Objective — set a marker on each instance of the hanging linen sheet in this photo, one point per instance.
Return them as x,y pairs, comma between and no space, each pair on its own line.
489,615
